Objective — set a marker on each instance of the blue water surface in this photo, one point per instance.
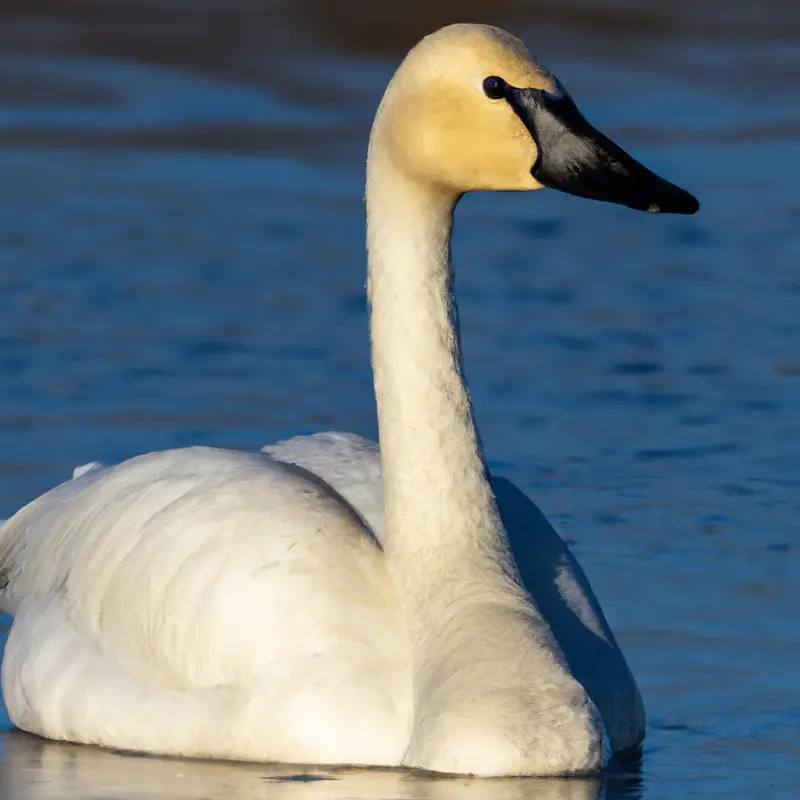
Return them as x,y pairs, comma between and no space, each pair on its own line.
182,262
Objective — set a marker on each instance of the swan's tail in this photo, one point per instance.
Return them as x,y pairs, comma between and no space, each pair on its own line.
12,535
6,605
86,468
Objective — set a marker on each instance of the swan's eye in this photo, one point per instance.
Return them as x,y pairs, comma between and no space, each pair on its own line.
494,87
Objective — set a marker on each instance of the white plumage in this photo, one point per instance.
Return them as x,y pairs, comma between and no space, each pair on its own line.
148,615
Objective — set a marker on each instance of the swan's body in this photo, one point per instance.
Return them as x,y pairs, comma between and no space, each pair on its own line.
178,609
324,603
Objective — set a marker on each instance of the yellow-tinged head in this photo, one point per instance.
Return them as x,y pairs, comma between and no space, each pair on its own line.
470,109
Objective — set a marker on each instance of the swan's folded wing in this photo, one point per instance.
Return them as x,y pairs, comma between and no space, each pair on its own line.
170,553
349,463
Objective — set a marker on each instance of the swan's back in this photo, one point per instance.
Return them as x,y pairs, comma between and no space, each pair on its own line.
170,560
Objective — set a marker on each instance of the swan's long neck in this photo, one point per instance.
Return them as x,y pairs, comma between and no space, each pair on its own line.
492,693
442,520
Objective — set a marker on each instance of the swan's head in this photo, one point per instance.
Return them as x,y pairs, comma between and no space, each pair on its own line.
470,109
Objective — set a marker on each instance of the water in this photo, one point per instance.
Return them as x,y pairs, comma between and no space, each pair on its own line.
181,261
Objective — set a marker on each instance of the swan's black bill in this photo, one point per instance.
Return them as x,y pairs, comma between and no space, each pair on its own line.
576,158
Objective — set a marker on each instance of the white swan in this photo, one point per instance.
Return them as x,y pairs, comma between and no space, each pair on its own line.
277,607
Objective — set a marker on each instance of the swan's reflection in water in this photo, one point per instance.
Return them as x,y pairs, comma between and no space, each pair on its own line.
35,769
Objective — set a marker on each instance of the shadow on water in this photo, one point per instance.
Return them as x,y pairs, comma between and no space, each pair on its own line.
34,769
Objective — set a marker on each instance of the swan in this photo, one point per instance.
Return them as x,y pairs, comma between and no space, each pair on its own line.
323,601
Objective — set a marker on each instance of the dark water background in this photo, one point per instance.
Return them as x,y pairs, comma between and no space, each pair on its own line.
182,261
